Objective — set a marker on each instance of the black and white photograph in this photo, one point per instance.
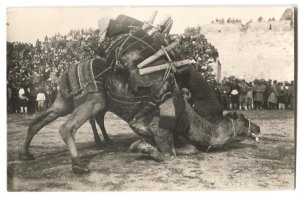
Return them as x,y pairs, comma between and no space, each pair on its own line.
151,98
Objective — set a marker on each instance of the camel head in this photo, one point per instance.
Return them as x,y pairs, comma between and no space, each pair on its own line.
251,130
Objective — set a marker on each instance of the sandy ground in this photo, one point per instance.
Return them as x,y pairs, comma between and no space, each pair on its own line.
268,165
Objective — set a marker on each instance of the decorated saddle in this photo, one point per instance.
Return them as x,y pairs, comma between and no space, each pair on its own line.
85,78
122,24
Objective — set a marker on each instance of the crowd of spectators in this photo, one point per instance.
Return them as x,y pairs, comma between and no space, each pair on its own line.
33,71
259,94
232,20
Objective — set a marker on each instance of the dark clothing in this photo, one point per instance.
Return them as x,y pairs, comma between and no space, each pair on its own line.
23,102
266,95
15,101
234,95
48,101
218,93
9,100
291,94
204,99
283,95
224,92
258,91
258,95
243,88
31,102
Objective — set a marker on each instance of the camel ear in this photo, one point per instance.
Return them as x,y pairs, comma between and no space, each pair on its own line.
229,114
241,116
235,115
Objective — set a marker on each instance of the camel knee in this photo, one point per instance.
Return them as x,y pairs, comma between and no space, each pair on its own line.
140,128
33,129
68,130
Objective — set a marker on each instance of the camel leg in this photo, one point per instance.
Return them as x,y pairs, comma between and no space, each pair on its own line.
163,139
156,141
95,132
93,105
58,109
100,120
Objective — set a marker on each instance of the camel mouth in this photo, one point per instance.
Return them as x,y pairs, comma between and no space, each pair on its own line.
255,137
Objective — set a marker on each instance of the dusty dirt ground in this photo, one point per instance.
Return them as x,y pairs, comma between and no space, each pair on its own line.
267,165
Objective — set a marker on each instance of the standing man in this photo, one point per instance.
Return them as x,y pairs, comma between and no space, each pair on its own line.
234,95
272,100
267,94
282,96
31,100
258,97
23,100
291,94
53,94
40,98
250,96
224,91
9,97
48,97
243,89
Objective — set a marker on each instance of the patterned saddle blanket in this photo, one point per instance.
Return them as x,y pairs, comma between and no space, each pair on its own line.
83,78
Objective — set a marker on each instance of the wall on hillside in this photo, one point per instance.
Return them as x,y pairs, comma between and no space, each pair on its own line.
254,26
220,28
255,54
274,25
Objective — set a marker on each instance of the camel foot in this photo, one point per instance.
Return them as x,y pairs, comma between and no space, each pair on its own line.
143,147
78,167
109,141
26,156
98,142
187,149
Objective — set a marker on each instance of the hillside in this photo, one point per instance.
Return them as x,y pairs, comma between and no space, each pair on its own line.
255,53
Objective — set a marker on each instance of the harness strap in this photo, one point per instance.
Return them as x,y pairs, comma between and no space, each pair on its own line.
170,70
86,84
142,42
118,50
123,102
138,40
233,127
